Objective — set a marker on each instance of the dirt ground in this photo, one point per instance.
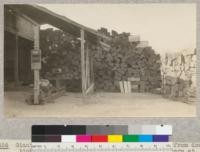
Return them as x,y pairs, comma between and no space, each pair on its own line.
99,105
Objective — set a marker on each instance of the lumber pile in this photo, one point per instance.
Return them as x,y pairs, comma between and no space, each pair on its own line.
124,60
179,76
61,58
117,60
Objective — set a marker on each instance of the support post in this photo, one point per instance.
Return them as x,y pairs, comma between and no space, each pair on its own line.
36,71
87,67
83,72
16,74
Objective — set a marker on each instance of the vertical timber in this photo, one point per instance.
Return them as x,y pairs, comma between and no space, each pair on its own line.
83,72
36,71
16,74
87,67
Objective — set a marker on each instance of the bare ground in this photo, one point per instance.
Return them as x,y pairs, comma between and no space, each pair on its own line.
99,105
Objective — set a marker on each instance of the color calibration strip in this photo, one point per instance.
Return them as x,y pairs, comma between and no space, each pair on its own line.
111,134
101,138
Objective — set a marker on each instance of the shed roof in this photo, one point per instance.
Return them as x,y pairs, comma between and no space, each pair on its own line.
44,16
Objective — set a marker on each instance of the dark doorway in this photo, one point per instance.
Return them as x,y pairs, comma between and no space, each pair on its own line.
17,70
9,56
25,73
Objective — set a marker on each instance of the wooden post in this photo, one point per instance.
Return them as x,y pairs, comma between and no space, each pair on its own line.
87,68
36,71
83,73
91,68
16,74
92,72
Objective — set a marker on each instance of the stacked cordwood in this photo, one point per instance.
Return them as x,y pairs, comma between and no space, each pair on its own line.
179,76
113,61
123,60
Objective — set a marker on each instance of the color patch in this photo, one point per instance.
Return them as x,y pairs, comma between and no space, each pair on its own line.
130,138
83,138
68,138
99,138
38,138
160,138
38,130
107,129
115,138
53,138
145,138
148,130
58,130
164,130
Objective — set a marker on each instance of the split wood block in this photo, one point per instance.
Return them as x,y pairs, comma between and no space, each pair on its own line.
125,87
121,87
129,86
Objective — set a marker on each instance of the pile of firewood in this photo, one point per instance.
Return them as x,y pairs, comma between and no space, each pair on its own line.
61,57
124,60
179,76
114,61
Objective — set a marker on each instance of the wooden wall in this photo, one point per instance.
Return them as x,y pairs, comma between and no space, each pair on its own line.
17,23
18,42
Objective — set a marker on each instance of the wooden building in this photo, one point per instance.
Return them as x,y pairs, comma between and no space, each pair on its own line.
22,54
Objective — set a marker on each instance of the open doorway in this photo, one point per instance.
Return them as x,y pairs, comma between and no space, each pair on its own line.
25,72
17,61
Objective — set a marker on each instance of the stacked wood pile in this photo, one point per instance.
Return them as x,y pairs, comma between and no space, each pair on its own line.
124,60
61,58
179,76
113,61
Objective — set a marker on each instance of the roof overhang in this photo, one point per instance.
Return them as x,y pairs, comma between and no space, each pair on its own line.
44,16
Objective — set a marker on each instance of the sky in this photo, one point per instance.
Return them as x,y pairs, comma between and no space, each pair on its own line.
167,27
